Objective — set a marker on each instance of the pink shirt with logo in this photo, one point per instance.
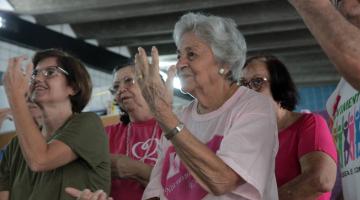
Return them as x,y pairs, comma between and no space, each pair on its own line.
242,132
308,134
138,140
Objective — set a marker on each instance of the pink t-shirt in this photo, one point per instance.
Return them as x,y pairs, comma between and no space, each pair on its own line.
138,140
308,134
242,132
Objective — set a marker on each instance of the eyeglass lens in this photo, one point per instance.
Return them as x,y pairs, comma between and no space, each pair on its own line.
126,82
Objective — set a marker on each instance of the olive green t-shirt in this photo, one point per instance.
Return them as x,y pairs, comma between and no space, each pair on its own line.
85,135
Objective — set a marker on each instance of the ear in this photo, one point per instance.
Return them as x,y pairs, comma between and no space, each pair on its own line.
72,91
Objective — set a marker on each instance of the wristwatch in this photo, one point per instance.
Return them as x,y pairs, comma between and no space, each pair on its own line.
169,135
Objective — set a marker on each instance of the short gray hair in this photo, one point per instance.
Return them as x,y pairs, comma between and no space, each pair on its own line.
225,40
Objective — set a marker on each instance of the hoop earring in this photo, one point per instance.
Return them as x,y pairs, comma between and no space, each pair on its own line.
221,71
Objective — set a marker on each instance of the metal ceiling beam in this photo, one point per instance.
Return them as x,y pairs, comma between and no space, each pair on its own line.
33,7
33,36
133,10
309,57
167,38
283,39
258,42
257,13
137,41
289,50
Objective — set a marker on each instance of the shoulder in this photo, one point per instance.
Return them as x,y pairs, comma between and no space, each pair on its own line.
88,118
87,115
314,124
252,102
313,118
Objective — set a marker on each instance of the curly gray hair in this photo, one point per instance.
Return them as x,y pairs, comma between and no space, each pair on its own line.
225,40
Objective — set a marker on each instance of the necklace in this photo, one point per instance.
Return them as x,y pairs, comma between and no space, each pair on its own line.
128,146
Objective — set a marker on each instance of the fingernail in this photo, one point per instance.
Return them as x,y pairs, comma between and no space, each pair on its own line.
153,48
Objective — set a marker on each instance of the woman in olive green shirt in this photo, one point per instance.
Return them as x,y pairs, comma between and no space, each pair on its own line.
71,149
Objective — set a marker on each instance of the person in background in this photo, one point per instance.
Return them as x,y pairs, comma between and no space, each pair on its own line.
306,161
71,149
134,141
336,26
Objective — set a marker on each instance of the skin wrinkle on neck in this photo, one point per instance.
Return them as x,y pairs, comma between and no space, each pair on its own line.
201,109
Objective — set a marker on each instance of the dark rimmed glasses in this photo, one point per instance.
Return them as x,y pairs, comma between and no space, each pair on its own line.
126,82
48,72
254,83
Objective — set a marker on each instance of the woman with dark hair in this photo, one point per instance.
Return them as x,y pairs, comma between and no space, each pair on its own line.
306,161
71,149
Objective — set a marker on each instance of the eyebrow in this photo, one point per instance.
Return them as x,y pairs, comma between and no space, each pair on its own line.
188,48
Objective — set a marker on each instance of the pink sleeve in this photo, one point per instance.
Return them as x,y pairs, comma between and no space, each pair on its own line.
316,136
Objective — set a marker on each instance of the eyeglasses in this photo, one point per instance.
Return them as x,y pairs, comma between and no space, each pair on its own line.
126,82
48,72
254,83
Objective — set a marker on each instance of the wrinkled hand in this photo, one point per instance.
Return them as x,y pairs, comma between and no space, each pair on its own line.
87,194
153,89
122,166
16,80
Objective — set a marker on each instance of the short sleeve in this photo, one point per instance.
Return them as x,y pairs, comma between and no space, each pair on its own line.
316,136
249,148
154,187
5,165
85,135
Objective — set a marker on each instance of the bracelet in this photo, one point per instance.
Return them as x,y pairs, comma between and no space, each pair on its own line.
169,135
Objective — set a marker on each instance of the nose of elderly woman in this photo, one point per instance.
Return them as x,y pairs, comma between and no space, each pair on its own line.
180,65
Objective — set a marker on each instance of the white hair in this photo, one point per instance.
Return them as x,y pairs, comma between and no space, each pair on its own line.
225,40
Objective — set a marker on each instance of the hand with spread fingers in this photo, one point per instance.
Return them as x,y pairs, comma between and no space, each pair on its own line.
152,87
16,80
86,194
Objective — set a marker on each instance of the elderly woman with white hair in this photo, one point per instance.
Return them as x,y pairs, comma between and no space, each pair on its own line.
223,144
